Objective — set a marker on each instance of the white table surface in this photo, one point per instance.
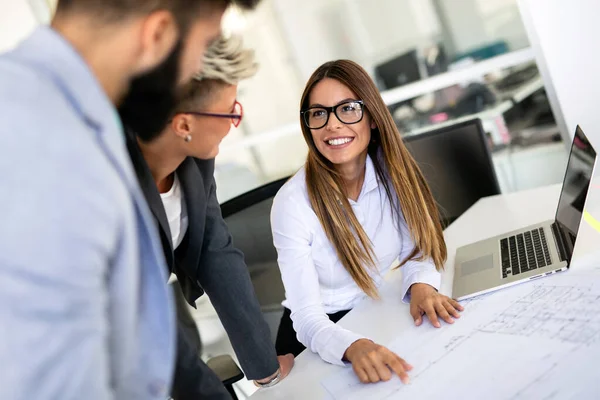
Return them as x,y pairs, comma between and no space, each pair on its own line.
381,320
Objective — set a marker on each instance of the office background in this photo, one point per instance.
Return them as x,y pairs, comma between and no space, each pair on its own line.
406,45
526,68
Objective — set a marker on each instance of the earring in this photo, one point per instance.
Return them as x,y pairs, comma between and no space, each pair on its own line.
188,138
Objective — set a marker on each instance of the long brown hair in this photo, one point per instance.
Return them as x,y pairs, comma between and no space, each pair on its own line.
396,169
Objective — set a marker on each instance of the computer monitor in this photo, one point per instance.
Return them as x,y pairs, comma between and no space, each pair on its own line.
457,165
399,71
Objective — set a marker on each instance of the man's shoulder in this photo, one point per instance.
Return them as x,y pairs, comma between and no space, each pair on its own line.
44,142
30,99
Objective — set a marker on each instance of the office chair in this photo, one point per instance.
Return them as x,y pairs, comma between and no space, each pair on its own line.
248,219
457,166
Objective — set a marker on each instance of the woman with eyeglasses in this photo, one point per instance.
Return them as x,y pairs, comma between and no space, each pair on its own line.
358,207
175,172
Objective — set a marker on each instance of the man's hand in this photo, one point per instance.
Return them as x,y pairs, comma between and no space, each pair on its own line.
286,363
424,299
373,363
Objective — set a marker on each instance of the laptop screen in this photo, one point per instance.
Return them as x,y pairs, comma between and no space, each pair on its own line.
575,188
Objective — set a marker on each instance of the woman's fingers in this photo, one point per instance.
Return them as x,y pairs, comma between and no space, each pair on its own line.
379,364
441,311
400,367
382,369
432,314
372,372
361,373
451,309
456,304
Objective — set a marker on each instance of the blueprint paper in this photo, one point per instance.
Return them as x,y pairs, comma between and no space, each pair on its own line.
538,340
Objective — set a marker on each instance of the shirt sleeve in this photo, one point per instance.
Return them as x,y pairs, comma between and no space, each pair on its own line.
415,271
293,240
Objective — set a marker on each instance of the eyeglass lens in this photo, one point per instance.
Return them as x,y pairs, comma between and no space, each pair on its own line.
348,113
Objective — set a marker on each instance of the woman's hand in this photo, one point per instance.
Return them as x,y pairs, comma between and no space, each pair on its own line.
373,363
424,299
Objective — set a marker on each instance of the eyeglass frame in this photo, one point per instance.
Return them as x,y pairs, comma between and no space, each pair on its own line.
236,119
332,109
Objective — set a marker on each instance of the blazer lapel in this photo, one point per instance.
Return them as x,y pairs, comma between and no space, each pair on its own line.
152,195
195,199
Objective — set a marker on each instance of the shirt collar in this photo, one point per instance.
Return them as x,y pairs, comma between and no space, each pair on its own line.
48,51
371,181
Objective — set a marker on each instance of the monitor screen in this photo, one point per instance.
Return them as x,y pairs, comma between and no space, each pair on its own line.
399,71
575,188
457,165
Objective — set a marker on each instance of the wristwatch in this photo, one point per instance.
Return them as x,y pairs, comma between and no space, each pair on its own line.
272,382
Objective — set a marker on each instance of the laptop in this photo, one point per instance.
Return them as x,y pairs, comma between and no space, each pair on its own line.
534,251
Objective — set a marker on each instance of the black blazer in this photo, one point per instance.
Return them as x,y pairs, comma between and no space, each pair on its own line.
206,261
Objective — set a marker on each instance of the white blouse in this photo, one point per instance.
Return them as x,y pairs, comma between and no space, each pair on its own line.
316,283
176,211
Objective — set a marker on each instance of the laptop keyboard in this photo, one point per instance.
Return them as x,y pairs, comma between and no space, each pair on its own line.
524,252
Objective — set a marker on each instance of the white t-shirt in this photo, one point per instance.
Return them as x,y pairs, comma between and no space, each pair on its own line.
176,211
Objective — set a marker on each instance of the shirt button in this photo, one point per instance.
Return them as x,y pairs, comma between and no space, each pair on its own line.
158,389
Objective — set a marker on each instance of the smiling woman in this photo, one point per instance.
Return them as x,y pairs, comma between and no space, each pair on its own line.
359,204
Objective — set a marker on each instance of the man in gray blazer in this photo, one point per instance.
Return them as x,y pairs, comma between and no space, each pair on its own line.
85,312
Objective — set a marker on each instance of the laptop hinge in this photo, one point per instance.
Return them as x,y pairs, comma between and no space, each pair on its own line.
560,242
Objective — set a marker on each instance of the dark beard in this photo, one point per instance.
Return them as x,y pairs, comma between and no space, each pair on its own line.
152,98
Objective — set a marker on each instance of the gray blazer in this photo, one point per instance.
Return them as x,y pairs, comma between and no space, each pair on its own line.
84,309
207,261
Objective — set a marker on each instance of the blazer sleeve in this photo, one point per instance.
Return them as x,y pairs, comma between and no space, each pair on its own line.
225,278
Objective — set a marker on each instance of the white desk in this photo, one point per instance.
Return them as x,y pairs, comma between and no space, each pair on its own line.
382,320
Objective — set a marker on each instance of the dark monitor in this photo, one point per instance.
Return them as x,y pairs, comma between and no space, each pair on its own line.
399,71
457,165
575,188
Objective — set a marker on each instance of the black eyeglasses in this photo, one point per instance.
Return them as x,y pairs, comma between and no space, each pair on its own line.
236,116
348,112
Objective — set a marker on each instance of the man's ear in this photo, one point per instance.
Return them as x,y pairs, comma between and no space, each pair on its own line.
158,36
182,125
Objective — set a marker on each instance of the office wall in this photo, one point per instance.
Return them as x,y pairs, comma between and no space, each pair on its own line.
473,23
16,22
318,31
564,36
270,100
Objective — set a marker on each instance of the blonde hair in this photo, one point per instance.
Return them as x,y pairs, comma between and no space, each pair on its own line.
397,171
226,62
